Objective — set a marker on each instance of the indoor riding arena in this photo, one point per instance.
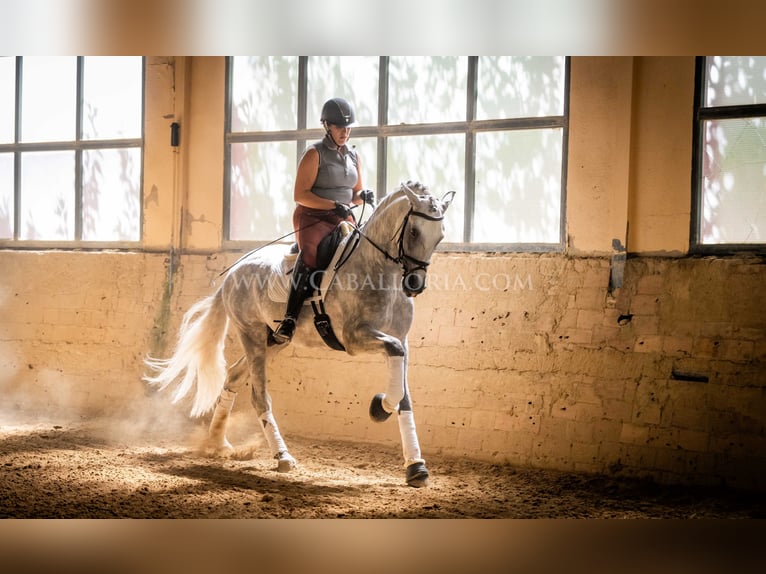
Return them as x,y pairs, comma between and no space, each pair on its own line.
591,341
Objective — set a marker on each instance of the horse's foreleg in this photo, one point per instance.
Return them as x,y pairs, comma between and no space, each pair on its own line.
397,398
261,400
417,473
384,404
216,442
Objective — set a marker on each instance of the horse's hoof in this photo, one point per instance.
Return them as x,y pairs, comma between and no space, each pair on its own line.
377,412
285,462
218,449
417,475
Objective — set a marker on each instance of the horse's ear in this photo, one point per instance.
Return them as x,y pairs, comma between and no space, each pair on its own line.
411,195
447,199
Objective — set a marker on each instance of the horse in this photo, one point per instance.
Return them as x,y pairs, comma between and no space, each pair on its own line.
393,249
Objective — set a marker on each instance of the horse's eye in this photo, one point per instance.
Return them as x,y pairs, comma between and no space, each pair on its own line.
414,233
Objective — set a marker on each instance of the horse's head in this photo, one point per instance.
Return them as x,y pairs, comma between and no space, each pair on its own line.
421,231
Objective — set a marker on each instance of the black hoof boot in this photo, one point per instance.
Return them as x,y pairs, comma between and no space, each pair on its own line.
417,475
285,331
377,412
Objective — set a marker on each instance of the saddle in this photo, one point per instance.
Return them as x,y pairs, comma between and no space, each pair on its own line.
332,252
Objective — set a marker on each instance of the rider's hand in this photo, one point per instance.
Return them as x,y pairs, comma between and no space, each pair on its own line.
342,210
367,196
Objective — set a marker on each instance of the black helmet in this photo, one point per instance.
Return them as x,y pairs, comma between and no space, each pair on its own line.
339,112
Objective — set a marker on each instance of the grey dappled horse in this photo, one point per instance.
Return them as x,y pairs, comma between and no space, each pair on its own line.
387,268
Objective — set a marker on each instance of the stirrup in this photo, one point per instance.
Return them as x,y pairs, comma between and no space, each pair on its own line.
285,331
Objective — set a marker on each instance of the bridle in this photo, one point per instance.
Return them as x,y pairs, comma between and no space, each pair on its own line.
402,258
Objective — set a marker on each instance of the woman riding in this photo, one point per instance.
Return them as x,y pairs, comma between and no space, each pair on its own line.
328,181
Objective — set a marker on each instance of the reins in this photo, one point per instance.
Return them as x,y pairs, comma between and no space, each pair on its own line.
401,255
277,240
401,258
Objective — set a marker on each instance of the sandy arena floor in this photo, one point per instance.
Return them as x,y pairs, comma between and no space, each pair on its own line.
81,471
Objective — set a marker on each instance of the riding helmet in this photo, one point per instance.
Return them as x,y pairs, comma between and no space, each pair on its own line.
339,112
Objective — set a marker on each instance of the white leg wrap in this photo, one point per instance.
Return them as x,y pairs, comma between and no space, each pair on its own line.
395,389
271,432
410,444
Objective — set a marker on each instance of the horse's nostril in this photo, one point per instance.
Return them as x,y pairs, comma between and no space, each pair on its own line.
413,283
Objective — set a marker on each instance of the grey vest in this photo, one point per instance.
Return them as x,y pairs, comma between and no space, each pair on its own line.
337,173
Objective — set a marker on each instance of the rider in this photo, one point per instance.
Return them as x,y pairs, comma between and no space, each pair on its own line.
329,179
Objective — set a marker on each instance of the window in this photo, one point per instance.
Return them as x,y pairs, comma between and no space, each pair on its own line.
71,144
729,199
492,128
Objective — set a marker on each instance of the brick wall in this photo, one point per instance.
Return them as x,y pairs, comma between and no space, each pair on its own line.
526,359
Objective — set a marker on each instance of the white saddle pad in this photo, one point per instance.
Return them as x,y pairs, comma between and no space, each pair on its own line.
278,284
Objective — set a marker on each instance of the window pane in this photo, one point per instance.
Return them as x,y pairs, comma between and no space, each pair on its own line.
47,195
518,187
49,98
367,149
354,78
262,181
734,181
438,162
6,195
263,93
735,80
111,194
427,89
112,96
7,98
519,87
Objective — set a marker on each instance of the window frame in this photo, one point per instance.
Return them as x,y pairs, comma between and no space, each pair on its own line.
469,127
702,114
78,146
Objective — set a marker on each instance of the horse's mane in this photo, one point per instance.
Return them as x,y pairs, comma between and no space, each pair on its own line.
386,214
391,197
396,195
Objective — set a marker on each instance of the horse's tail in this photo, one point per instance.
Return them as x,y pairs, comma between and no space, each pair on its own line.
198,355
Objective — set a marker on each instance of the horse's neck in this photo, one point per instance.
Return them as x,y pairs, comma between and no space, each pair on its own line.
384,225
382,233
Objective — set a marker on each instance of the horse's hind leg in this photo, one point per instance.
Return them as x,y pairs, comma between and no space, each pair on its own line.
216,442
256,355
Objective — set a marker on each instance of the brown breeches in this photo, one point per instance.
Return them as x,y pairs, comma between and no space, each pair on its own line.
313,225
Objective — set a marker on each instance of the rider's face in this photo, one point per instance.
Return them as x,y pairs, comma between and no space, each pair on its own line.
339,134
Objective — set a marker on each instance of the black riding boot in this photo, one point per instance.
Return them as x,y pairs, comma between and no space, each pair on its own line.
300,288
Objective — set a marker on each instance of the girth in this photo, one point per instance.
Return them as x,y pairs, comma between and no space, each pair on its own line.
345,242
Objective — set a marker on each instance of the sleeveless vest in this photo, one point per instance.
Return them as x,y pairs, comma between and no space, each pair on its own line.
337,173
